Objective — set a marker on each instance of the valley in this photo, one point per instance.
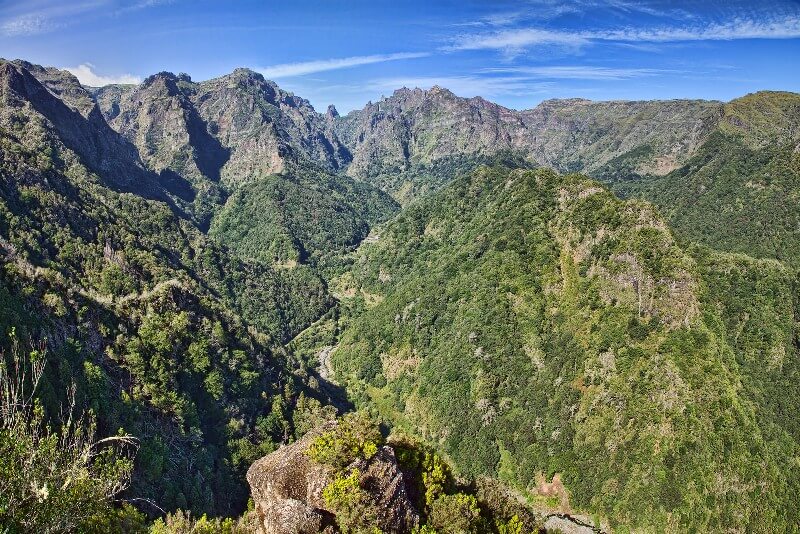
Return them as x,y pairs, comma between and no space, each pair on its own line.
603,293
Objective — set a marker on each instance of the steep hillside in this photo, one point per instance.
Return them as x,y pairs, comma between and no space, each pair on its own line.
726,175
759,304
205,260
302,216
264,126
241,136
209,139
171,139
528,324
165,334
741,190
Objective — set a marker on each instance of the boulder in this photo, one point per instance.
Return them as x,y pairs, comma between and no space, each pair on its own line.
287,487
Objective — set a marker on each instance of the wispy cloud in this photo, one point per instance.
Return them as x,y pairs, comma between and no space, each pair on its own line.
142,4
737,29
540,10
628,7
26,25
512,41
43,16
87,76
286,70
495,19
581,72
40,17
150,3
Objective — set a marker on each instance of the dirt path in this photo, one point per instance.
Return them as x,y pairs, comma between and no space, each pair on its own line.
325,366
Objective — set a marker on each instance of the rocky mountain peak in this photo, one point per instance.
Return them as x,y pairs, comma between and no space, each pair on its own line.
163,82
60,83
159,76
332,112
8,73
245,78
245,72
438,90
78,125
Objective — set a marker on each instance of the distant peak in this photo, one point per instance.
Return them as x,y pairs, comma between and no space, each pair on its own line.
163,75
332,112
567,101
244,72
439,90
7,70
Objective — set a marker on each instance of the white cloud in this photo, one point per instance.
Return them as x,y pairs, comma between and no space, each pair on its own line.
513,41
286,70
86,75
142,4
581,72
35,17
150,3
786,28
538,10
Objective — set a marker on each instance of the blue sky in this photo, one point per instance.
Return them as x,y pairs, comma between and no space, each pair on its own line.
347,53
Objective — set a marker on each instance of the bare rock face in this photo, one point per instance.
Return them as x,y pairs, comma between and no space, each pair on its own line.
287,490
56,99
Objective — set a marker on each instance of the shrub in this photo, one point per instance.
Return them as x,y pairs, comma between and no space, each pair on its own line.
182,522
355,512
456,514
355,436
53,478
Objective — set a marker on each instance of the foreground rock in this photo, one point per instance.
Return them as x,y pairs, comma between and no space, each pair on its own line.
287,490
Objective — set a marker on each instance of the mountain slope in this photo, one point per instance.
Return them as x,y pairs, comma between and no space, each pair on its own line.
171,139
257,126
529,324
302,216
741,190
241,136
164,333
208,139
169,239
726,175
416,127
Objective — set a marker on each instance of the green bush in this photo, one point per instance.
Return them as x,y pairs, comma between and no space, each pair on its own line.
355,513
355,436
182,522
456,514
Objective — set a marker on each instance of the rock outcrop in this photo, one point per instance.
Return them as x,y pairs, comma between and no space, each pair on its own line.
287,489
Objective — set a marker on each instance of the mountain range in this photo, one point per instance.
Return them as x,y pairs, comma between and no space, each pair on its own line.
607,291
